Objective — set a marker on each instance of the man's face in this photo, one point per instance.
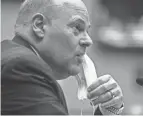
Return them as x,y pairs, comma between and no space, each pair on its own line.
65,42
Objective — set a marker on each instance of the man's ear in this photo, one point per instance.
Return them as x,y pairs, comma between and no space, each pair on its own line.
38,22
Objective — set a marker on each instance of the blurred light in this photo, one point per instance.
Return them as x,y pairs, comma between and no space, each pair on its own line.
136,109
112,36
138,36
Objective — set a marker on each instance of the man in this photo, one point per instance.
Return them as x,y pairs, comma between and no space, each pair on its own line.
50,40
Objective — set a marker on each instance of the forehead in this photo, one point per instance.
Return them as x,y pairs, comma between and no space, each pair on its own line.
78,3
78,13
73,8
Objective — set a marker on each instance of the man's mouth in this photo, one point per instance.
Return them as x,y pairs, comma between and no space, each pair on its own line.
80,54
79,57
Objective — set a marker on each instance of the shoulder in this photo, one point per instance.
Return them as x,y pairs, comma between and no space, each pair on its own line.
28,79
13,54
24,60
11,51
25,70
19,60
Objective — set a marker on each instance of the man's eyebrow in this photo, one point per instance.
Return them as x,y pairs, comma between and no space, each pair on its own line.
78,19
81,20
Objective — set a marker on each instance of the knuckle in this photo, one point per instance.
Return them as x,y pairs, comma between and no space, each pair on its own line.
121,97
115,84
118,91
104,87
94,95
104,79
108,76
91,95
113,80
98,92
102,98
95,101
101,81
109,95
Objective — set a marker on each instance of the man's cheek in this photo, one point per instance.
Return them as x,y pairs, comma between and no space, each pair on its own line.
64,41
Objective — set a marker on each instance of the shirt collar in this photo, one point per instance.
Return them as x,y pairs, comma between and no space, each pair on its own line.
35,51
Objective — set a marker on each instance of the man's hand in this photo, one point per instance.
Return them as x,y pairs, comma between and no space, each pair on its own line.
106,92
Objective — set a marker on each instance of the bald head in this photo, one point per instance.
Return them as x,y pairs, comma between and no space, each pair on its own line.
29,8
57,29
47,8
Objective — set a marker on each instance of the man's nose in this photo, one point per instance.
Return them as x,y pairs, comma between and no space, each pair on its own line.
85,41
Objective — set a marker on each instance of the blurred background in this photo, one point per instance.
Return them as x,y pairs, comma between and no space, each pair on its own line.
117,33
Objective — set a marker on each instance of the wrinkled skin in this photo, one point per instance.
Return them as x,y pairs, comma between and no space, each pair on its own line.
66,38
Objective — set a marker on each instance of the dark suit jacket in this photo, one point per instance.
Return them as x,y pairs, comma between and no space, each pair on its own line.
27,84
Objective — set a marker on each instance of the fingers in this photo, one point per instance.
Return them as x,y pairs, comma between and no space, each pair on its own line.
106,97
115,101
101,99
105,91
118,99
101,80
102,89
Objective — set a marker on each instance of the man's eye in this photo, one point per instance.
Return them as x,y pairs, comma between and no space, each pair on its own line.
79,28
76,31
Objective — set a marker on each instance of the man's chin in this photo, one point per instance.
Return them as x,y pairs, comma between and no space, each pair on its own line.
75,70
70,71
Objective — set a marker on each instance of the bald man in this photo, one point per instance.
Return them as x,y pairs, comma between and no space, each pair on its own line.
50,41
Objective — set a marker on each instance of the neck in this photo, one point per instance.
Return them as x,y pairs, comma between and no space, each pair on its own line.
23,41
55,73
